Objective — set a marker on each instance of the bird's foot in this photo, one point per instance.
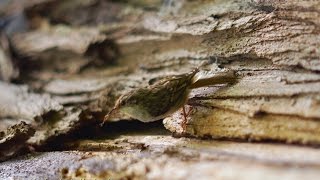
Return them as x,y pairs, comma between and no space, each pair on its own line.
185,118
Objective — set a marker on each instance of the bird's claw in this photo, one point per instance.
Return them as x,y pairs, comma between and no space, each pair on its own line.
185,118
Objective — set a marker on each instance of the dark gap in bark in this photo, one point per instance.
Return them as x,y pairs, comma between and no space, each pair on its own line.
115,129
111,130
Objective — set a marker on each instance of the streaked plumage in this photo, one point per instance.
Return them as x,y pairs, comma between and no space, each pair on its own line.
158,100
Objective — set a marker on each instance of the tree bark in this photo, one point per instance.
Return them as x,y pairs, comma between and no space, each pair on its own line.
82,64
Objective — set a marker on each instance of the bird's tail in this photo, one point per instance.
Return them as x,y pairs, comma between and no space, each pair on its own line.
219,78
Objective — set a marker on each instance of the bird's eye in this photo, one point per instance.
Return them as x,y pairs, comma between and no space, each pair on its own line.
122,102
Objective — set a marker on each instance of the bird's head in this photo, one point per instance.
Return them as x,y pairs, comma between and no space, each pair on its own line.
123,101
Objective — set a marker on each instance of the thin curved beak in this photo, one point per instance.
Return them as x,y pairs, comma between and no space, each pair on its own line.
106,117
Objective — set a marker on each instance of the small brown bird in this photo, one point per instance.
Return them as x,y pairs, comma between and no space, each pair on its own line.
166,96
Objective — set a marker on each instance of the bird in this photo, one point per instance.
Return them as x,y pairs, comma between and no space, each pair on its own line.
164,97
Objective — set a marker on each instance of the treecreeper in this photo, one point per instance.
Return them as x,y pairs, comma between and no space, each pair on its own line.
165,96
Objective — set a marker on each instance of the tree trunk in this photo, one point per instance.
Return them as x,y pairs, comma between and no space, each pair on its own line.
79,69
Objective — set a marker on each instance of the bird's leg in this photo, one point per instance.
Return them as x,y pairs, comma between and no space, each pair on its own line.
185,120
190,109
185,116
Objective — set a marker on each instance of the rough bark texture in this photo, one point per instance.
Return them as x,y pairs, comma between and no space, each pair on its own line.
79,56
39,111
14,140
275,48
17,102
148,155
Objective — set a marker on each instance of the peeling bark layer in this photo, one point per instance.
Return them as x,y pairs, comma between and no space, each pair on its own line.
273,46
79,56
17,102
163,157
7,69
47,116
14,140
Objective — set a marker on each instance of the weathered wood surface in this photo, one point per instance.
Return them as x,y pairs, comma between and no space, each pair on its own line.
274,51
273,46
7,69
77,58
151,153
14,140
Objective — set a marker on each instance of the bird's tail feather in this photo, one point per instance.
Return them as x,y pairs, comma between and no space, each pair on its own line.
219,78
